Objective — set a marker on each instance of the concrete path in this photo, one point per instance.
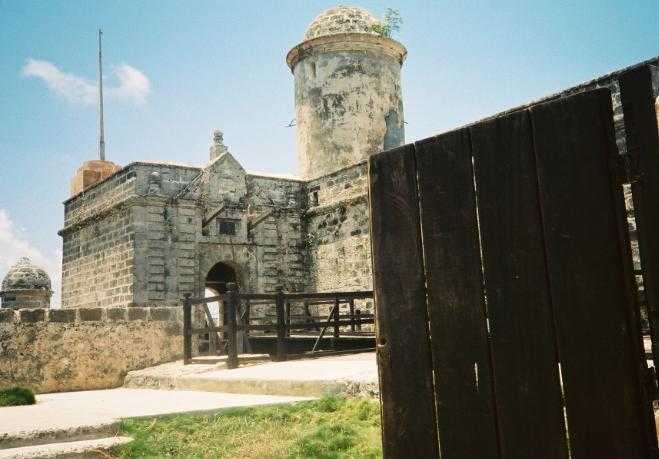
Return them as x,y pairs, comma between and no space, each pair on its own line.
89,414
351,374
84,449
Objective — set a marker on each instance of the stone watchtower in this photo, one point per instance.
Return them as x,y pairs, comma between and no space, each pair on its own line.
348,97
26,286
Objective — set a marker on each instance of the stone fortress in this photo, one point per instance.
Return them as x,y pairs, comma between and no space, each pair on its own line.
148,233
137,238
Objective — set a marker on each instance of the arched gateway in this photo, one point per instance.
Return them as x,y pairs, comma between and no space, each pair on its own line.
216,284
219,275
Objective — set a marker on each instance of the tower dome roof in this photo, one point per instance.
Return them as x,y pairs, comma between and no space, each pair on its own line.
25,276
341,19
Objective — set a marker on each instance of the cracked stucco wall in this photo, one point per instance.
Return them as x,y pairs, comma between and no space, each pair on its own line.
348,106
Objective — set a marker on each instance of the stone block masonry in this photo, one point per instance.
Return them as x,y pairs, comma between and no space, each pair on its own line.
275,227
98,244
53,350
337,231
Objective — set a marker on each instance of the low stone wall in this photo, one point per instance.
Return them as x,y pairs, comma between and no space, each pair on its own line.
53,350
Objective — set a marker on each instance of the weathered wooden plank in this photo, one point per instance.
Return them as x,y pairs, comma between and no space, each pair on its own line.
458,330
524,355
642,140
573,145
409,425
282,344
187,329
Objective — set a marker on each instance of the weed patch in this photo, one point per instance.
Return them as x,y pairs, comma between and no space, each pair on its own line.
15,396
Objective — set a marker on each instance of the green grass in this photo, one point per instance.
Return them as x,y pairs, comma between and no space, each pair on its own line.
332,427
15,396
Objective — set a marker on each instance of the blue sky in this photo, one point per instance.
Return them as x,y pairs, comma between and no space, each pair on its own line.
175,70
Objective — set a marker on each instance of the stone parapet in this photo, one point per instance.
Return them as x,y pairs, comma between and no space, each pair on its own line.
347,42
79,315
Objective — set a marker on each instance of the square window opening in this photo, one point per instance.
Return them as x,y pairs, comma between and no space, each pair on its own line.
227,227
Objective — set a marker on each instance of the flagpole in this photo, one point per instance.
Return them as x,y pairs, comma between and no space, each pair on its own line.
101,134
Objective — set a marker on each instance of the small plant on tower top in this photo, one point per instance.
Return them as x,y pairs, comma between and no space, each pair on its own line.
390,24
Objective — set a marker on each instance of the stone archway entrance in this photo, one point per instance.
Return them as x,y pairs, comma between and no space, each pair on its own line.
218,277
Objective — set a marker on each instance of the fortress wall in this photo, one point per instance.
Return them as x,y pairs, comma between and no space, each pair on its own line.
338,233
166,258
115,242
168,222
97,252
337,228
276,232
53,350
100,198
97,262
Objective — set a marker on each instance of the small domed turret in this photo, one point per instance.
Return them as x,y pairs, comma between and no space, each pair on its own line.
26,286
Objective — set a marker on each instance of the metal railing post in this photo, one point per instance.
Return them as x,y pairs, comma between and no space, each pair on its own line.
187,329
232,351
281,325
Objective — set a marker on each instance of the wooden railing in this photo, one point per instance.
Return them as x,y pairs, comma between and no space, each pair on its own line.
235,309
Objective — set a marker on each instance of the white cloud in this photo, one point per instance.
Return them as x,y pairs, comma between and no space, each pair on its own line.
14,244
131,84
72,87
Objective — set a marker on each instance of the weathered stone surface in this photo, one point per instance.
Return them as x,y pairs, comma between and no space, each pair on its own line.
342,19
348,97
31,315
161,313
49,354
337,231
117,314
62,315
90,314
7,315
137,314
25,286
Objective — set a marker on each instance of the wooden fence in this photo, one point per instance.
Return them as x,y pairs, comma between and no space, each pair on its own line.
235,310
508,321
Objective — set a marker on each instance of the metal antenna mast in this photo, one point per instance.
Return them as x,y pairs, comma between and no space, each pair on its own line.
101,133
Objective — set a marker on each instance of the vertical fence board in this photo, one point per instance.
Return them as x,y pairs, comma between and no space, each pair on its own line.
572,140
465,410
642,141
403,352
526,381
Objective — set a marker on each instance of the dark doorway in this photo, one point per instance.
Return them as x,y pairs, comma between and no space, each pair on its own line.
218,277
